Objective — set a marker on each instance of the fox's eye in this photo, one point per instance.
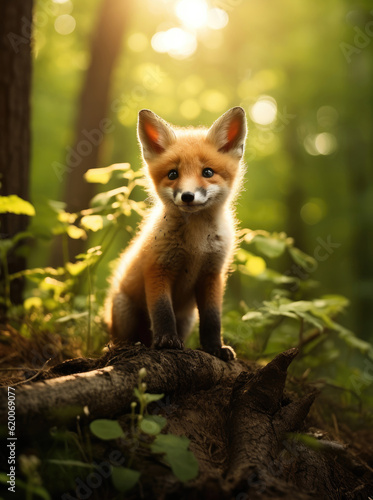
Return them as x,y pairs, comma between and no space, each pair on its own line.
207,172
172,175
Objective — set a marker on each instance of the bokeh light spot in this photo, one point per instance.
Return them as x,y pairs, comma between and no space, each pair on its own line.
190,109
137,42
313,211
65,24
264,111
217,19
192,13
214,101
309,145
177,42
325,143
255,265
191,86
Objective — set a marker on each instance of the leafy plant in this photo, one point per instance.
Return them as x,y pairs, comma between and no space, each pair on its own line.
174,448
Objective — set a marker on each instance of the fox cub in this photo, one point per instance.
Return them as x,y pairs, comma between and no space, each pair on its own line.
180,258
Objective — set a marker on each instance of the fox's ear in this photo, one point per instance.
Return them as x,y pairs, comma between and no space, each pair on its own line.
228,133
154,134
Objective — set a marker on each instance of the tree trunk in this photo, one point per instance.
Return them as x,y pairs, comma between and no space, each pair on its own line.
15,85
92,121
248,435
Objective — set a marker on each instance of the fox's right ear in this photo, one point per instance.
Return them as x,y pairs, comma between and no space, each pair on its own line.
154,134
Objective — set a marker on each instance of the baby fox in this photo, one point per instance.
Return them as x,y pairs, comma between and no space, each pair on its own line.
180,258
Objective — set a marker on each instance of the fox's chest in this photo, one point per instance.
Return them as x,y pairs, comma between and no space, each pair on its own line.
191,249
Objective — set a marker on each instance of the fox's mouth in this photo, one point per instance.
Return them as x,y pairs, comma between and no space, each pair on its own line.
191,207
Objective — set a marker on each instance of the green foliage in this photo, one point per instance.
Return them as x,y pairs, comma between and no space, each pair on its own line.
175,448
68,295
287,310
106,429
124,479
15,205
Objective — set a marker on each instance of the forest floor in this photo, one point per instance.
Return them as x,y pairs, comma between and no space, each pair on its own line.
255,431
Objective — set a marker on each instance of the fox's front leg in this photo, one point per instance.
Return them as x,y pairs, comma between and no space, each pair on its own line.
209,295
162,317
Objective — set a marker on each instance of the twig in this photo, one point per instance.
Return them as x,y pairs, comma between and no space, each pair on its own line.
34,376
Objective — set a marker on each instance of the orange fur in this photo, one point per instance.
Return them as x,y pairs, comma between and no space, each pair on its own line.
180,258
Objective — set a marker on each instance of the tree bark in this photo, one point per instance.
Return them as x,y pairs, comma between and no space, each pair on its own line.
248,434
15,86
92,121
115,377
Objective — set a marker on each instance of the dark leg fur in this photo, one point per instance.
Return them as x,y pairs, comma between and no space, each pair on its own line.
210,335
164,325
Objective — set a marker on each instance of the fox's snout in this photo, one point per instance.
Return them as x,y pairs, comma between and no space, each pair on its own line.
187,197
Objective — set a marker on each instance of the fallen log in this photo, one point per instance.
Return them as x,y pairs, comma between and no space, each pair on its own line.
107,391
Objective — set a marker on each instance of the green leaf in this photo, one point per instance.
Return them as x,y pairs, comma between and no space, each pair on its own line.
75,268
76,232
149,398
106,429
33,302
252,315
73,316
124,479
149,426
270,247
183,464
92,222
103,175
302,259
298,306
165,443
276,277
182,461
331,304
354,341
104,198
158,419
312,320
15,205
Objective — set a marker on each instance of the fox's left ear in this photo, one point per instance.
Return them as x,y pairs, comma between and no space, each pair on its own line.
228,133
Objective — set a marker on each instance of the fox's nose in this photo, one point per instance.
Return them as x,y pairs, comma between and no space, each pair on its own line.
187,197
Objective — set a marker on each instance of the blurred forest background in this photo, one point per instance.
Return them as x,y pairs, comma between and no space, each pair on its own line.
302,72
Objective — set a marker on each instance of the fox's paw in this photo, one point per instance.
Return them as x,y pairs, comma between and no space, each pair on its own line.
225,352
167,342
